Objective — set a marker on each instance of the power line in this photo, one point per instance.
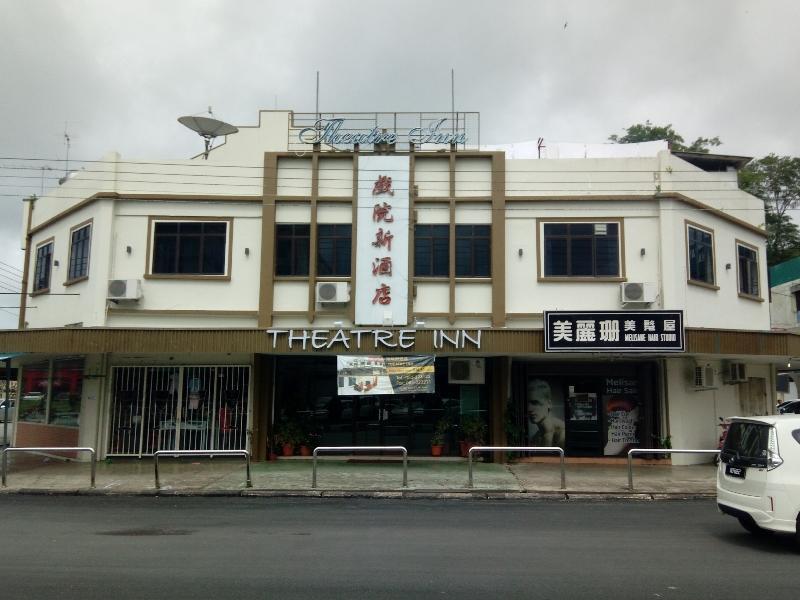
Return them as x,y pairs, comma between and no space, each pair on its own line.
10,266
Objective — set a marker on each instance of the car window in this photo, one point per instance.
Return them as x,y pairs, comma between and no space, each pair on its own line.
796,435
747,443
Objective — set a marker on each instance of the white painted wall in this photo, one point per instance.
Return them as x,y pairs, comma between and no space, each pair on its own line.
432,177
783,308
473,177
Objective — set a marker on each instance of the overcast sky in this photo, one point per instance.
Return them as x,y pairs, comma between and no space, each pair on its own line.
120,73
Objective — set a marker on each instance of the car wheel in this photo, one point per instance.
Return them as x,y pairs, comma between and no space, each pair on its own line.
750,525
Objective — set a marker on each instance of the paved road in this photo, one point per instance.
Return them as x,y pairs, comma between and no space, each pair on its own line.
123,547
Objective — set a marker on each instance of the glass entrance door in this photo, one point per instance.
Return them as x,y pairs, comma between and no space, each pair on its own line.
382,421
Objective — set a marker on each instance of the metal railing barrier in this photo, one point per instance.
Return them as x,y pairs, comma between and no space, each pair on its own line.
335,449
658,451
209,453
91,451
536,449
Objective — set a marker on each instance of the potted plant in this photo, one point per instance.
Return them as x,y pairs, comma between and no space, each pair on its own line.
474,431
287,434
439,434
305,444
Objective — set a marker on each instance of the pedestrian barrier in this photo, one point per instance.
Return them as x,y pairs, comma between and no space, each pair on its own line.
536,449
6,451
334,449
658,451
209,453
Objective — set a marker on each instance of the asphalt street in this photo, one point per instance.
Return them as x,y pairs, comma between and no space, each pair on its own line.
162,547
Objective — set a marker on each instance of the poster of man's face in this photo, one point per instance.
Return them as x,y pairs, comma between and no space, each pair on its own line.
544,412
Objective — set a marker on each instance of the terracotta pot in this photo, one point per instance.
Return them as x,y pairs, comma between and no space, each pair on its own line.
288,449
436,450
273,456
305,451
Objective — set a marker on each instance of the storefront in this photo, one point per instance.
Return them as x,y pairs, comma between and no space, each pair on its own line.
587,408
309,404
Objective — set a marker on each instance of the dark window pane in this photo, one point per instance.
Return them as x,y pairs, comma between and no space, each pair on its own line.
555,229
606,257
581,259
555,258
189,255
214,256
164,254
422,256
301,254
463,258
215,228
166,227
441,257
190,228
343,257
482,258
581,229
283,256
325,256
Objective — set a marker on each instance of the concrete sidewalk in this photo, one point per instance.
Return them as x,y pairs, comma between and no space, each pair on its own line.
338,477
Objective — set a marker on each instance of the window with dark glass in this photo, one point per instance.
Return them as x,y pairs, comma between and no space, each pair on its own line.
748,270
701,255
473,251
189,247
292,249
333,250
41,273
80,241
581,250
432,250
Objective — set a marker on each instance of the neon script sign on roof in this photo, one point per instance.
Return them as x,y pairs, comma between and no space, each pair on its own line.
329,131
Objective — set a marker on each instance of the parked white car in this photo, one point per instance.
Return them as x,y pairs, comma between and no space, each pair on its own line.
758,478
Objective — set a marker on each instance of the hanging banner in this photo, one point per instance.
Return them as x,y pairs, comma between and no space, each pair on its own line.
390,375
381,294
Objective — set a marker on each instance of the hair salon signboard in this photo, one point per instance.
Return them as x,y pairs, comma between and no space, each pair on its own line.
615,331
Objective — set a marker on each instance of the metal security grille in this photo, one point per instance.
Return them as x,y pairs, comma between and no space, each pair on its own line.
178,408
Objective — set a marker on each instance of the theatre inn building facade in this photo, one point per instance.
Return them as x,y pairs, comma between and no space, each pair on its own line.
369,280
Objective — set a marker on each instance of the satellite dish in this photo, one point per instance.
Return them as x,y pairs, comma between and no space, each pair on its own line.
208,128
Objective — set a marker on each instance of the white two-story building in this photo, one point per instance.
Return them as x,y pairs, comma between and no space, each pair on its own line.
234,301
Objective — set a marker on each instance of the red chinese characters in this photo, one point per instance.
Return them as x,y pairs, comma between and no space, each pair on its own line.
382,295
382,266
383,185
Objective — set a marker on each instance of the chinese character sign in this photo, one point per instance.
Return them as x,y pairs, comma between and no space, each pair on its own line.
381,283
617,331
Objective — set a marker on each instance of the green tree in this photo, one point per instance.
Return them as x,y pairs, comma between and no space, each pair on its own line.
647,132
776,180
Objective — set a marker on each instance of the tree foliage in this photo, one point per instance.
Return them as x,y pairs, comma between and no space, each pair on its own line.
776,180
647,132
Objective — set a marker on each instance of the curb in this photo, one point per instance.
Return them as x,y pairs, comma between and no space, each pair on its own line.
444,494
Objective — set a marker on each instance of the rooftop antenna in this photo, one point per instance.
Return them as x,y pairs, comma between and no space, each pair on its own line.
208,128
453,99
67,173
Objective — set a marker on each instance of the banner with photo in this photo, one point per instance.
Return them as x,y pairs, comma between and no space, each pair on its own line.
375,375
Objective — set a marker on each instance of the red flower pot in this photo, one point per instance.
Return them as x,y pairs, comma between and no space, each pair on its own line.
288,449
437,450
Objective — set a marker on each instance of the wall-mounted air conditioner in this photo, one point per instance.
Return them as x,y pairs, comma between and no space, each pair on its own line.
466,370
333,292
704,377
124,289
734,372
638,292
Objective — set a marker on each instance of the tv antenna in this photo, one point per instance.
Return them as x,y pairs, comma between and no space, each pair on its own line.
208,128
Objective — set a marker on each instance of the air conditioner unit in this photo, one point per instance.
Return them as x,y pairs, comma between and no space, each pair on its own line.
734,372
704,377
638,292
124,289
466,370
333,292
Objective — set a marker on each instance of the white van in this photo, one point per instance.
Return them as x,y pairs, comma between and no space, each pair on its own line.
758,478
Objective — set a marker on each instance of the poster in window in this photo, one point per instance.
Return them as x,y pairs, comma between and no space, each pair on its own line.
622,410
545,413
582,406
